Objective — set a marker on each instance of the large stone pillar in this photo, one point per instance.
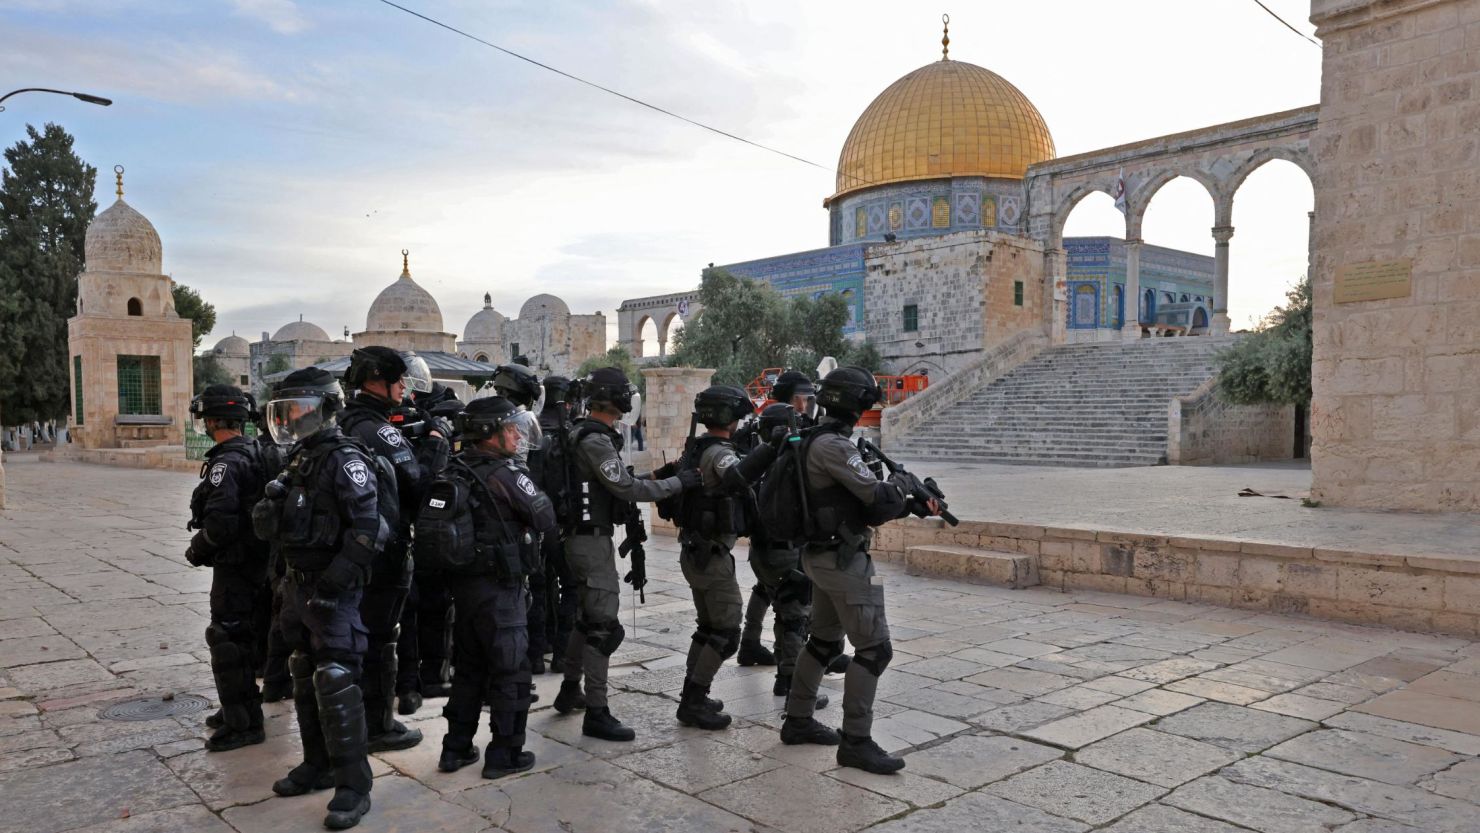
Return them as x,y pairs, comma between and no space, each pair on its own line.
666,405
1221,236
1055,294
1130,329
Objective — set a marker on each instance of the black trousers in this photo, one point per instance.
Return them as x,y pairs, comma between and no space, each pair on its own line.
491,652
552,611
380,609
424,649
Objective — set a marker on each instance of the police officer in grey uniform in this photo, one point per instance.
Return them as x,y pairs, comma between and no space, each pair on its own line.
845,500
326,515
492,641
709,521
607,492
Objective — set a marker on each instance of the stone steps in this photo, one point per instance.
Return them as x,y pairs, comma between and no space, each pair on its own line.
974,566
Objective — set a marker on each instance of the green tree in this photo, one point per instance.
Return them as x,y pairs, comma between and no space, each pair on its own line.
1272,364
617,357
202,315
208,371
46,203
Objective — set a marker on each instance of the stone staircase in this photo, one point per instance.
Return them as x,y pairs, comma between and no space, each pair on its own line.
1072,405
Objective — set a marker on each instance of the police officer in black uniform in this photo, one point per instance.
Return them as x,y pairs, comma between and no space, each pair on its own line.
607,492
553,589
845,500
492,639
326,515
375,378
231,482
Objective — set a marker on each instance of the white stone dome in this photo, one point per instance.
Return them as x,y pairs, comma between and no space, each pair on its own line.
543,305
300,330
404,305
122,240
234,345
485,325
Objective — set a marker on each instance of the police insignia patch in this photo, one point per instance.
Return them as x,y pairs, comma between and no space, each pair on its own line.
856,463
358,471
612,470
526,484
390,435
726,461
218,473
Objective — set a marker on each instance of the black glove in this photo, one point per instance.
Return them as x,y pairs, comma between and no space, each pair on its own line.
342,576
778,438
690,478
443,426
666,471
198,554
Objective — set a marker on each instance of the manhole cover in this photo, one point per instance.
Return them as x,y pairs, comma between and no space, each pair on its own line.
155,707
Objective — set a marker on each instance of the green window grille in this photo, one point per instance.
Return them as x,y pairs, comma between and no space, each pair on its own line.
1017,293
911,318
77,387
514,349
138,385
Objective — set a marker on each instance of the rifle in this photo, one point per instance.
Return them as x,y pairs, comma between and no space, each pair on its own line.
632,543
915,488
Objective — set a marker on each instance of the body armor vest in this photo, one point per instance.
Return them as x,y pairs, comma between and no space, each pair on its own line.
505,547
834,512
309,527
710,514
247,545
591,505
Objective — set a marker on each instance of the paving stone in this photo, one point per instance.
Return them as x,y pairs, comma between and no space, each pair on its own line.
1349,695
995,696
1079,697
1156,818
766,740
1376,826
96,790
19,627
1023,681
1448,684
942,668
1364,755
1460,781
1159,702
1398,667
30,758
903,786
193,819
693,766
1409,805
938,701
49,676
1121,686
1166,671
1021,648
1265,810
1087,727
1076,792
1460,742
1297,705
1234,727
970,761
1155,757
398,804
1427,709
980,811
1019,716
915,727
1215,690
772,799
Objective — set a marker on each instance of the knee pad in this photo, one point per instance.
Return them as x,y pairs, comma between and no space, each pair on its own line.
824,650
331,678
225,633
300,665
606,638
874,658
726,642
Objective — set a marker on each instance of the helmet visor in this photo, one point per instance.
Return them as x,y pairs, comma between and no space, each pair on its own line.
418,377
809,407
294,418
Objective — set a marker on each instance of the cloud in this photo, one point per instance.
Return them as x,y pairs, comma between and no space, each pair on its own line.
281,16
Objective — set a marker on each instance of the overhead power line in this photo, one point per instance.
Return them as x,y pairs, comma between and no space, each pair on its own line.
609,90
1287,23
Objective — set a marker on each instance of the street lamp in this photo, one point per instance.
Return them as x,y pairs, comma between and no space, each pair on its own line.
90,99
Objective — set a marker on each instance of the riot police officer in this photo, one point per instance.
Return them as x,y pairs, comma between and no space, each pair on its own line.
607,492
375,376
327,517
521,386
845,501
489,596
709,520
552,611
231,481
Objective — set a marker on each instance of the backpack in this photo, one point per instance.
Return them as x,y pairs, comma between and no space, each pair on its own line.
447,528
781,500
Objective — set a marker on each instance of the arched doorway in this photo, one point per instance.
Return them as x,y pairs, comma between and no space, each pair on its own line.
1148,307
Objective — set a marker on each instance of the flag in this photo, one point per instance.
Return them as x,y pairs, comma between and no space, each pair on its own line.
1120,192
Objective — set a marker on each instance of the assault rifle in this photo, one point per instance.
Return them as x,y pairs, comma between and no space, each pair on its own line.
636,535
915,488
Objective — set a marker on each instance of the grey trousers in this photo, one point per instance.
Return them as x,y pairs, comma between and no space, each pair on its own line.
847,601
593,563
778,571
710,572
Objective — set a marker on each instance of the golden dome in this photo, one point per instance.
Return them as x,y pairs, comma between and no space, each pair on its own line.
948,118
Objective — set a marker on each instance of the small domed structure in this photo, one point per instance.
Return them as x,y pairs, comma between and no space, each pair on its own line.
233,346
404,305
122,240
485,325
300,330
543,306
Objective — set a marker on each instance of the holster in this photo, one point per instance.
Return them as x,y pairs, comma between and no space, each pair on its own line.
852,544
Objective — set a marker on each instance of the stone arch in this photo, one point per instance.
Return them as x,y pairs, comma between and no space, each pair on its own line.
1300,158
481,357
638,338
1140,199
135,306
1066,206
665,331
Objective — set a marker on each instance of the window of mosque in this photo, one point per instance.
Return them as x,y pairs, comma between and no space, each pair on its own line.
1017,293
242,380
940,212
896,217
514,349
911,318
138,385
135,307
860,222
1185,298
1084,311
77,387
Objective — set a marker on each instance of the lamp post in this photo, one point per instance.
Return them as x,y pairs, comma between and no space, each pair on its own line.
90,99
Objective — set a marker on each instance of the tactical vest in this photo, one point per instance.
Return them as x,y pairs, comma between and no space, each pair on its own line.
710,514
247,545
506,547
591,507
349,420
309,528
833,512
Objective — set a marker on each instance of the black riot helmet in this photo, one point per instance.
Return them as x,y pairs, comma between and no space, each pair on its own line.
224,402
418,376
517,383
719,405
789,384
557,388
303,403
778,415
368,364
847,392
609,385
482,418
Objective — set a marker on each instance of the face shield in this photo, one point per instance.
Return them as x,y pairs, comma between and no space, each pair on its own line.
295,418
418,377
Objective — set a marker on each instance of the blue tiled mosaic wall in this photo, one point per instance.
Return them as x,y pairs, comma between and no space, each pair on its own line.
928,208
836,269
1172,275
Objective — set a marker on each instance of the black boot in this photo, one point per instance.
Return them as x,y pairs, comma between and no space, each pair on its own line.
754,653
840,664
571,698
782,688
346,809
693,708
536,663
457,755
397,737
316,772
303,779
410,702
432,690
557,662
795,730
274,689
506,760
215,720
599,723
862,753
230,737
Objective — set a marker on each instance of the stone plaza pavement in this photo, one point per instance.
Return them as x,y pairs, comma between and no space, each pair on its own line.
1032,711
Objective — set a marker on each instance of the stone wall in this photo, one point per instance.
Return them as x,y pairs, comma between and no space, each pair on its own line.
902,419
1204,430
1422,593
667,404
962,286
1396,415
99,341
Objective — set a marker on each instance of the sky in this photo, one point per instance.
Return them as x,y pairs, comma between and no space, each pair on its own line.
288,150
